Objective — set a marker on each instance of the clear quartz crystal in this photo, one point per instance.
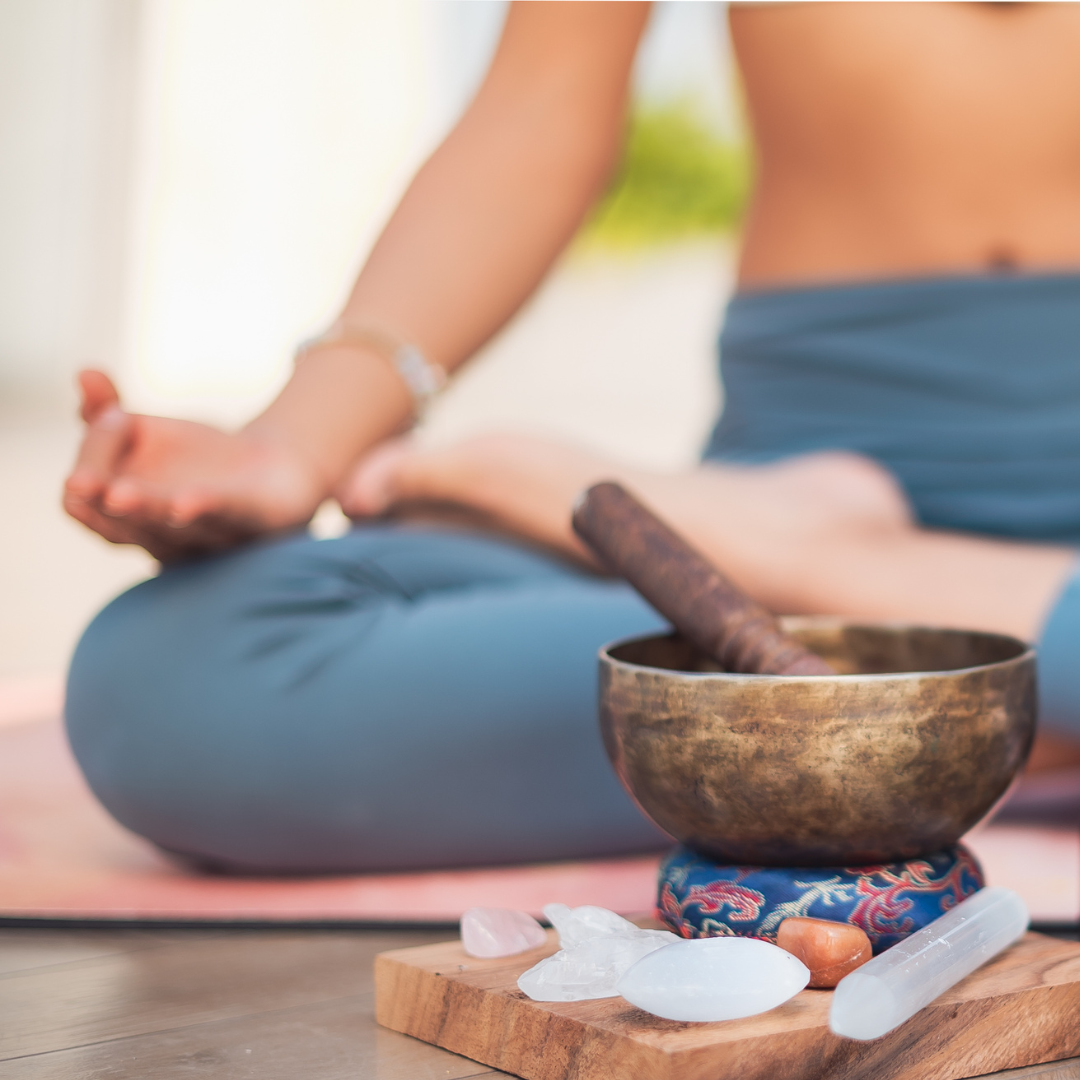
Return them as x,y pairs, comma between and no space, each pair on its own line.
575,925
892,987
489,932
721,978
598,946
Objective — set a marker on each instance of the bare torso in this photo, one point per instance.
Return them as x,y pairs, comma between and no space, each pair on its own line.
903,139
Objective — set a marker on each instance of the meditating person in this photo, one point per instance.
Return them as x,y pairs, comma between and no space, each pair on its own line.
900,441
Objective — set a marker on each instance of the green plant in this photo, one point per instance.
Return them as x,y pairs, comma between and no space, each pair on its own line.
678,178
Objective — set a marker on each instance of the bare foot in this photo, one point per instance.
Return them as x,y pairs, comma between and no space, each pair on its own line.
767,525
761,524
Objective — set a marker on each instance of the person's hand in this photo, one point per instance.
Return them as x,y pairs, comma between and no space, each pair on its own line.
179,488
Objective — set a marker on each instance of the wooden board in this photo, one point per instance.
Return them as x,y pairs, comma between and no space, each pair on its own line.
1020,1009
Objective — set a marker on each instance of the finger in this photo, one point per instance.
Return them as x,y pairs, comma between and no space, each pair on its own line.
165,543
192,505
107,438
192,520
193,517
85,513
192,508
208,533
115,530
152,507
126,496
98,393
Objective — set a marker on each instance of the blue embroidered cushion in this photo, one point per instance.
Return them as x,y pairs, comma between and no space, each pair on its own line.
702,898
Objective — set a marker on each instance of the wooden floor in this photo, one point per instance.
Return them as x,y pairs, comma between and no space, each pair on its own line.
124,1004
88,1004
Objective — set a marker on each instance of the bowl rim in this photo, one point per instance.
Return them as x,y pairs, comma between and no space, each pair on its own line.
1027,654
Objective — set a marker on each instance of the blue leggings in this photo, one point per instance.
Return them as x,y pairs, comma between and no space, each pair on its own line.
397,698
404,698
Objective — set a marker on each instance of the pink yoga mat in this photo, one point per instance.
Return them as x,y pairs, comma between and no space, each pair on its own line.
62,857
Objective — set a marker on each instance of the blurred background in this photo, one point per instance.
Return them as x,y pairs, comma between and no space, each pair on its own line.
187,188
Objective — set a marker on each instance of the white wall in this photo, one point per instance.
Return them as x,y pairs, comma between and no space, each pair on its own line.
67,82
274,138
187,187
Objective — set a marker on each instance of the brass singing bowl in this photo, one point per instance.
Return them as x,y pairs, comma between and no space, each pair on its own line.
897,756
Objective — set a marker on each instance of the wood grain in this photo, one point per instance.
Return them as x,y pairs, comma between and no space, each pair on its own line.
330,1040
126,1005
157,989
1021,1009
26,949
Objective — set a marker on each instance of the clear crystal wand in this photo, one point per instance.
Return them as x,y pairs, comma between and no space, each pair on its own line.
892,987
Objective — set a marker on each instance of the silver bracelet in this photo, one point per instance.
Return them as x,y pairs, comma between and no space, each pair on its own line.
423,378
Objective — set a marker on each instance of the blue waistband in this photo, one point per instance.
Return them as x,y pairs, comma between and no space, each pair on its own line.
967,388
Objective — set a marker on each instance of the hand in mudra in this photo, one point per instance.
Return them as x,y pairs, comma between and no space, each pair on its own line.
179,488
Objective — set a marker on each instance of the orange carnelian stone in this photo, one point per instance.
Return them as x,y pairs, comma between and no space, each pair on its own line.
829,949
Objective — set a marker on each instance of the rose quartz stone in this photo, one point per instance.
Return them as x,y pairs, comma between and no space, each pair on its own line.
489,931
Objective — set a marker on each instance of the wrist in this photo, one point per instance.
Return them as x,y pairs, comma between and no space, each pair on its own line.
422,378
299,475
338,404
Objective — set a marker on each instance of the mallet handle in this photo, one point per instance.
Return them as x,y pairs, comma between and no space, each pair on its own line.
704,606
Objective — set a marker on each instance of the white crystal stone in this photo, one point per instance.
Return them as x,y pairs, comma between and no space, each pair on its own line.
591,968
579,924
598,946
892,987
492,931
721,978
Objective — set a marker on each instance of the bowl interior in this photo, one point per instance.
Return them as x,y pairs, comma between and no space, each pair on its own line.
851,649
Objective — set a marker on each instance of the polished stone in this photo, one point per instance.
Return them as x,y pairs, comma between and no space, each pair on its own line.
714,979
492,932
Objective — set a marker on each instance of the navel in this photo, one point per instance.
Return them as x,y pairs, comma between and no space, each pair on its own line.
1002,260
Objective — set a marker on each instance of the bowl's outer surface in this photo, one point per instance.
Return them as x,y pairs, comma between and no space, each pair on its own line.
848,770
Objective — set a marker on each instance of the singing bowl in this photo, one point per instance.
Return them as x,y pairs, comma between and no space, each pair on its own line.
898,755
